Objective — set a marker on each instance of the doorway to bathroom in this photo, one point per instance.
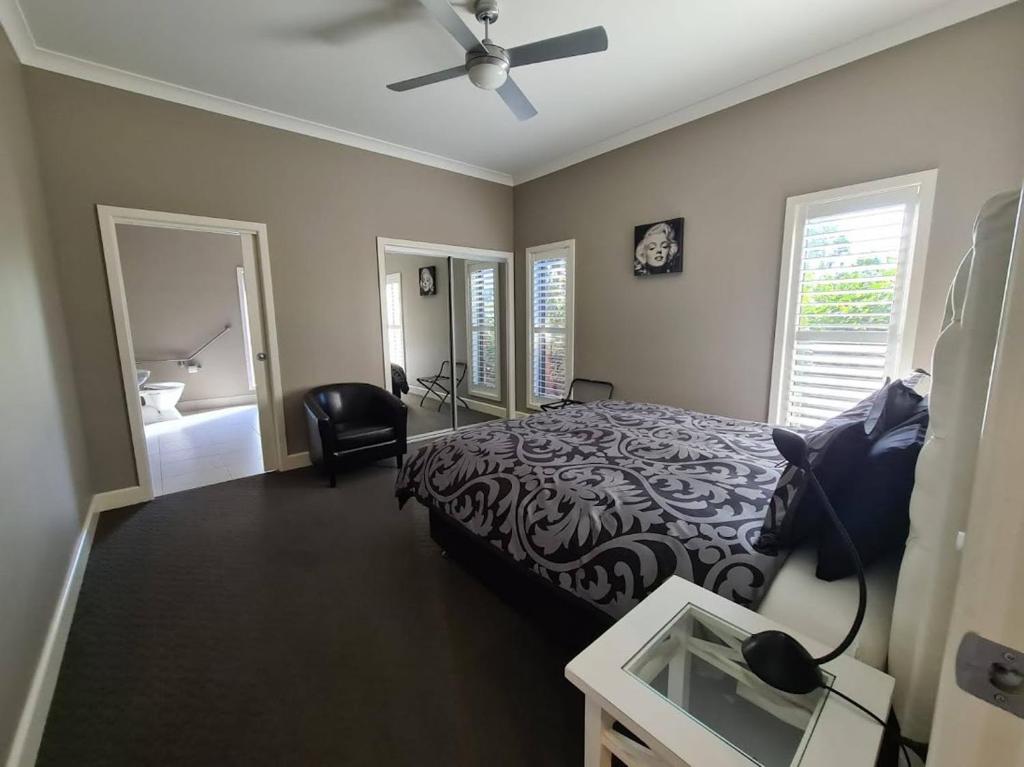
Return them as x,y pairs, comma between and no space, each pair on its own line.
193,312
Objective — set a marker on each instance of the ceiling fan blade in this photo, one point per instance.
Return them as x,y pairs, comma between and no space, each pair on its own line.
450,20
579,43
516,100
434,77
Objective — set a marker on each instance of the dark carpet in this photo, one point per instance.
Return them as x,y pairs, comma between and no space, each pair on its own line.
274,621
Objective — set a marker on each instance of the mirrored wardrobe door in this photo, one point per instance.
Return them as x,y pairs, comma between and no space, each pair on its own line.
418,344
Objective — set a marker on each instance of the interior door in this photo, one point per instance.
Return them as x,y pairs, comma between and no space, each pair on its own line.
967,729
258,349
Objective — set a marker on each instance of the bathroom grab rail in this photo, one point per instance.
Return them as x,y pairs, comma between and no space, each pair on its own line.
193,355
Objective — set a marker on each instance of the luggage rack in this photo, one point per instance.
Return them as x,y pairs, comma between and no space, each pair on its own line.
569,399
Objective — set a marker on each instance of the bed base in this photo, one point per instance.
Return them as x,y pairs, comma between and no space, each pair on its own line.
566,618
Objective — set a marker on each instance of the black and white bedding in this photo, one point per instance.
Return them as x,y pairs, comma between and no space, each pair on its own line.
608,499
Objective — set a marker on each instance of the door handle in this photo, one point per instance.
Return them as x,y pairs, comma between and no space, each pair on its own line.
261,356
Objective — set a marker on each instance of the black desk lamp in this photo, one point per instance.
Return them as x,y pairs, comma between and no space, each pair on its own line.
776,657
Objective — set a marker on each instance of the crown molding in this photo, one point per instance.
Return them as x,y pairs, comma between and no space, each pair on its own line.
32,54
12,19
918,26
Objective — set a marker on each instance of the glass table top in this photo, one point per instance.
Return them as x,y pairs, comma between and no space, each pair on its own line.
696,664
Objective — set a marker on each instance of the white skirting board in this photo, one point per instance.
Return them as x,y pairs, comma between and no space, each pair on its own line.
28,736
295,461
118,499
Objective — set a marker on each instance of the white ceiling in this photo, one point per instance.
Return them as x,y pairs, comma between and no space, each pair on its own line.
327,62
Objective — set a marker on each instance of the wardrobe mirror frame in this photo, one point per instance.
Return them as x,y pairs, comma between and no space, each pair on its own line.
456,256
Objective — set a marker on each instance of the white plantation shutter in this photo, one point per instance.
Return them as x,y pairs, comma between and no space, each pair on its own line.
396,326
550,276
482,307
844,299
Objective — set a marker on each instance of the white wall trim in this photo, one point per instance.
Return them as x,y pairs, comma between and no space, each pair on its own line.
28,735
118,499
32,54
296,461
256,254
944,16
907,306
386,245
190,405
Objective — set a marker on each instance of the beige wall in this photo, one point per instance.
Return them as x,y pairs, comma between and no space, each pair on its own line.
953,100
42,458
182,289
324,205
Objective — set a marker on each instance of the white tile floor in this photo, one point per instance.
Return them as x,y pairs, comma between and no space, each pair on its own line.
204,448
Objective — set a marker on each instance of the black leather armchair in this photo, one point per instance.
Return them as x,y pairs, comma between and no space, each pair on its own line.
354,422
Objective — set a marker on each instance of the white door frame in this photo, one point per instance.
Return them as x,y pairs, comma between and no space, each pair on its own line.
274,448
387,245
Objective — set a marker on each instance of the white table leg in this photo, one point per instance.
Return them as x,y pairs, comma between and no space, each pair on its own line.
595,721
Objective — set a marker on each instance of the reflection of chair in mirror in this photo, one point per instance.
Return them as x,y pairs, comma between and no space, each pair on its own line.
440,385
582,390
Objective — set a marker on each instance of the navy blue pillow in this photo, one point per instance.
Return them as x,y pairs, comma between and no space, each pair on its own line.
834,450
897,403
874,505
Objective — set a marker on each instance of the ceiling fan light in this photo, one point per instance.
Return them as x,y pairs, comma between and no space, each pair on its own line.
488,73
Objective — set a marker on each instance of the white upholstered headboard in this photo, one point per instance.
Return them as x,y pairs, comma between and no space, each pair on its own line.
961,368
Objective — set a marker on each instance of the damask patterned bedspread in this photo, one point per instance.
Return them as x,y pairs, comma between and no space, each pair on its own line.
610,498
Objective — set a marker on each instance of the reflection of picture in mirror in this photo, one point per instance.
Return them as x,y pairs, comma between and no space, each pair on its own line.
428,280
658,248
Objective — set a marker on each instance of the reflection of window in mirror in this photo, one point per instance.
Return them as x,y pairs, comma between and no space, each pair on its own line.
483,337
396,327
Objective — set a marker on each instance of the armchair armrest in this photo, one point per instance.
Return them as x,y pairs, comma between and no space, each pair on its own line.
320,428
391,409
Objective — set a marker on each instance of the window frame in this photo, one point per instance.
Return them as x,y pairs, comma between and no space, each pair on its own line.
540,253
480,266
395,277
908,300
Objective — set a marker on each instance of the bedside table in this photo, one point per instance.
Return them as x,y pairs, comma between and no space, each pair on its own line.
672,674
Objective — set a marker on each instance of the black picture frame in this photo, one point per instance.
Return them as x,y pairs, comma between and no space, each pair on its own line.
658,248
428,280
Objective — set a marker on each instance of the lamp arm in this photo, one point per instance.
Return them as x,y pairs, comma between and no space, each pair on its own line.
861,582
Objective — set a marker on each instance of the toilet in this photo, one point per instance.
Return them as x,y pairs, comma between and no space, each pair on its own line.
162,396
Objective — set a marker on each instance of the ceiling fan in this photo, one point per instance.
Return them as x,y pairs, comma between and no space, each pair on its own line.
488,64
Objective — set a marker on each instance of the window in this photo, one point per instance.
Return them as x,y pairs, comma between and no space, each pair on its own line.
549,274
852,264
396,328
482,333
250,367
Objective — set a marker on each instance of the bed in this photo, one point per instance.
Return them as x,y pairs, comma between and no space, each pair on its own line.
605,500
688,493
